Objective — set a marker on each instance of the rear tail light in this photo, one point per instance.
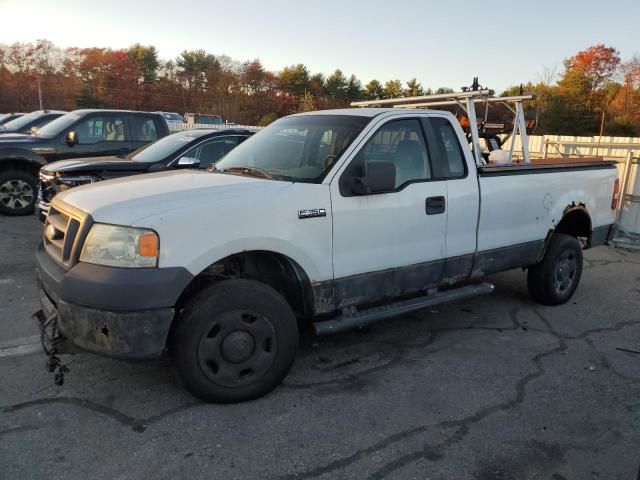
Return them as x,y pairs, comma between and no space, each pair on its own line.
616,194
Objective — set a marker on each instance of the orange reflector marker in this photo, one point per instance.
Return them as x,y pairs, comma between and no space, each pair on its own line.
616,194
148,245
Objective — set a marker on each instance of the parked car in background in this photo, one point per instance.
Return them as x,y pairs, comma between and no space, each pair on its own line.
78,134
173,118
7,117
202,119
25,123
198,148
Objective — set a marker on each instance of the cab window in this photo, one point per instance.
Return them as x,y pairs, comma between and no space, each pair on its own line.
143,129
448,159
400,142
100,129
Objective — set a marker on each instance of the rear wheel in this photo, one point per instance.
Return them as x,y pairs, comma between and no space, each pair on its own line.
235,341
17,192
554,280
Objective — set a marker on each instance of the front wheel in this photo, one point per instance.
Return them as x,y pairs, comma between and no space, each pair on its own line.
235,341
17,192
554,280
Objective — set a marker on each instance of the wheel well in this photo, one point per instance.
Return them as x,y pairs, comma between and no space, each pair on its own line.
577,223
274,269
20,164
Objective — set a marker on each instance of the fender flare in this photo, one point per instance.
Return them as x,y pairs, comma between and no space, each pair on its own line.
14,155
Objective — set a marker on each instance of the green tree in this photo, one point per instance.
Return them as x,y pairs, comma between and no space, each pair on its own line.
146,58
316,84
295,80
414,89
393,89
373,90
354,89
336,85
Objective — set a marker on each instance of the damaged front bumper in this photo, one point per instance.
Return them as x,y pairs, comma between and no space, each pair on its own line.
118,313
125,335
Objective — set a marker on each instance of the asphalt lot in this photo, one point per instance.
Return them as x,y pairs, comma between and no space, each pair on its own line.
496,388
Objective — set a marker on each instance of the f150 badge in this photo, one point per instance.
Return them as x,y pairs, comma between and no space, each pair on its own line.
312,212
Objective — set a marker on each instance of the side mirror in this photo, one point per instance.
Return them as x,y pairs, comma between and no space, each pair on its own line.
33,130
188,162
71,138
380,177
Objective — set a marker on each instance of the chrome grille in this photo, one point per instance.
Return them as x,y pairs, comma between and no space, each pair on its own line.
60,233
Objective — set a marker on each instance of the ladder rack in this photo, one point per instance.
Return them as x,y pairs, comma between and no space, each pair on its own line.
467,101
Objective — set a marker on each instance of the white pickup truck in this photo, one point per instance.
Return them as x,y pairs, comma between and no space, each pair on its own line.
339,218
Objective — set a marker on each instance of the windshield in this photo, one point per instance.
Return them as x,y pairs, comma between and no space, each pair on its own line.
55,127
163,147
18,123
301,148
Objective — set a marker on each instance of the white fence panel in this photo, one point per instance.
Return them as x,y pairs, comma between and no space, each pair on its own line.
610,148
180,127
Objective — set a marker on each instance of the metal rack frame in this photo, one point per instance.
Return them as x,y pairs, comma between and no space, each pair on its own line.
467,101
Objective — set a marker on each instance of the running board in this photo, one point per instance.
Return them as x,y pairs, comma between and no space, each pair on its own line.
375,314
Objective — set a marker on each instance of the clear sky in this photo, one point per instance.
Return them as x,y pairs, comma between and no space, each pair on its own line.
442,43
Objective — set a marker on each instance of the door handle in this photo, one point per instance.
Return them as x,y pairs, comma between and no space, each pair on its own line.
435,205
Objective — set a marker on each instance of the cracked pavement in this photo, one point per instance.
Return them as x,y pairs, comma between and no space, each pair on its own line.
494,388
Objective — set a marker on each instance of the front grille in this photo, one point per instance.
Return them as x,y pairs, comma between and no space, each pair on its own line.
60,234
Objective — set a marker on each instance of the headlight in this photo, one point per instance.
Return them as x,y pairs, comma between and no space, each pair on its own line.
121,246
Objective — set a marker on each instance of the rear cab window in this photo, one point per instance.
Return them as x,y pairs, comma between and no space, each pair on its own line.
143,128
444,146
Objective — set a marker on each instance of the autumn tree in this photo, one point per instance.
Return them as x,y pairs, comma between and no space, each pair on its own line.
595,88
585,78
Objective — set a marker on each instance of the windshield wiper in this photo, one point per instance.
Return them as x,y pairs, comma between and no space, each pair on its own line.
252,171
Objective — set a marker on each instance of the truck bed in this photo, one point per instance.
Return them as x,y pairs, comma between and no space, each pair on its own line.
521,203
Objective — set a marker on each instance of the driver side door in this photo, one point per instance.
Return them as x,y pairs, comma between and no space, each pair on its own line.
389,244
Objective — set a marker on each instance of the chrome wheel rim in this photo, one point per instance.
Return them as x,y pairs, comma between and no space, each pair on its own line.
16,194
565,272
237,348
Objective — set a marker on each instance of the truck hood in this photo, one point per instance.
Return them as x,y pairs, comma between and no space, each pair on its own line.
94,165
18,138
126,201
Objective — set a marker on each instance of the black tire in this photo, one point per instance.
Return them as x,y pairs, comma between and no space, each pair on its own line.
554,280
235,341
18,192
